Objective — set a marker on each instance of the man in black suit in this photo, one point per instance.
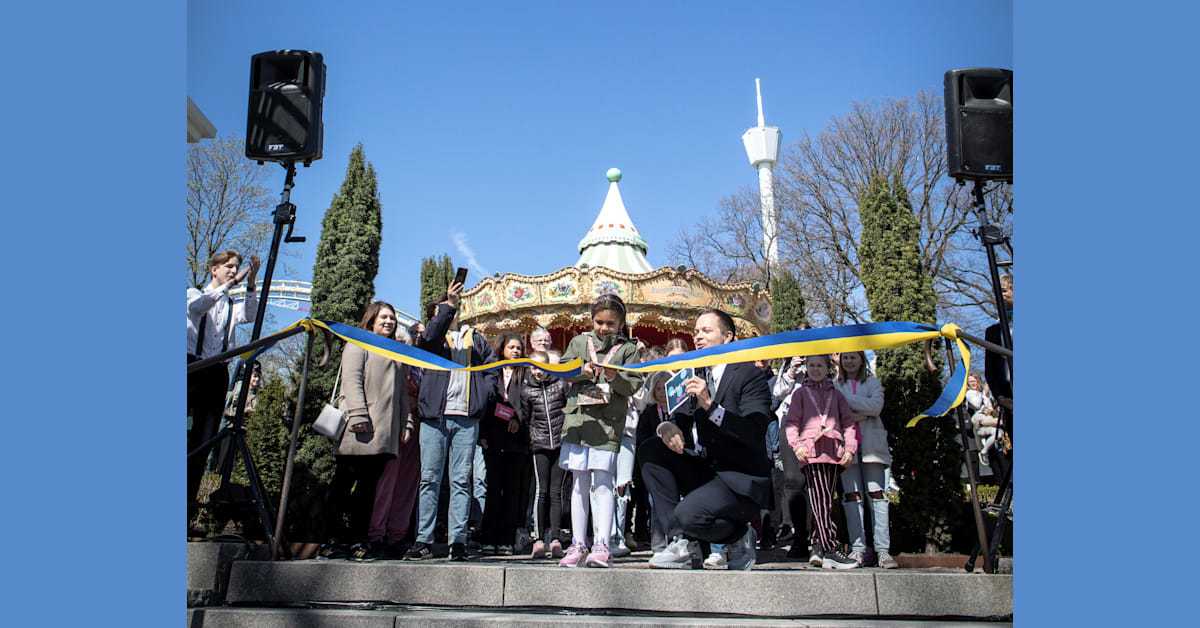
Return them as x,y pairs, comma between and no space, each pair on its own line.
713,452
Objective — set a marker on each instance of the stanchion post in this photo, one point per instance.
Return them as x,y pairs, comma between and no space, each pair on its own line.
278,549
965,435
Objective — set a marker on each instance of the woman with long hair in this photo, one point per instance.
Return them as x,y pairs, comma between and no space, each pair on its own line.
377,462
504,437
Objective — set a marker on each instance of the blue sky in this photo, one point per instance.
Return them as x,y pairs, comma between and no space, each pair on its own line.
499,122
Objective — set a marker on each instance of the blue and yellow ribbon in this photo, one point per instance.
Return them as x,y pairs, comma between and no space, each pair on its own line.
788,344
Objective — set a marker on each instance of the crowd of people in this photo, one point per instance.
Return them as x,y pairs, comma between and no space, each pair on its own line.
586,469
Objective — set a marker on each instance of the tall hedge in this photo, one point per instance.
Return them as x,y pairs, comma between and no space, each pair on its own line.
436,275
787,302
926,458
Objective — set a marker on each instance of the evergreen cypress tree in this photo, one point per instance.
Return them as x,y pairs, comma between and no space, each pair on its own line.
926,458
343,284
436,275
787,302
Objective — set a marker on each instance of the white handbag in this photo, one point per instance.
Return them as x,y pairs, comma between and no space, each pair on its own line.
332,421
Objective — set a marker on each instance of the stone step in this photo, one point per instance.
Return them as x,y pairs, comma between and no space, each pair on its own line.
765,592
391,617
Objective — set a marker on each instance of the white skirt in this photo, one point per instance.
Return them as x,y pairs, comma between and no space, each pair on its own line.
575,457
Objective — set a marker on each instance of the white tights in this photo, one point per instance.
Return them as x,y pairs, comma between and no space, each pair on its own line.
586,485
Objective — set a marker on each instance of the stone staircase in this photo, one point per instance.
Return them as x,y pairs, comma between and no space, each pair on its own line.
511,591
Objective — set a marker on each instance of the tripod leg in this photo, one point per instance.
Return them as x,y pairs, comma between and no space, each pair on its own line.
258,495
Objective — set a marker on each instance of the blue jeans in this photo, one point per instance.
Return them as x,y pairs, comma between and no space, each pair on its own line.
478,487
460,434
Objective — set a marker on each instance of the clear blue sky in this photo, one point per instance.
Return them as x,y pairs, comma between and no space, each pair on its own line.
500,122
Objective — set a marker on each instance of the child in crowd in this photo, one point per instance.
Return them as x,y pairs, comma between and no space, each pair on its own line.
542,402
595,420
864,395
820,429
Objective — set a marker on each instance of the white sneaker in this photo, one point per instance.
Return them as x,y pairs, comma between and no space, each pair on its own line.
857,557
742,554
715,560
675,555
814,558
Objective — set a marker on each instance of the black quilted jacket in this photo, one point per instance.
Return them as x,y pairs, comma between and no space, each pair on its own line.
542,406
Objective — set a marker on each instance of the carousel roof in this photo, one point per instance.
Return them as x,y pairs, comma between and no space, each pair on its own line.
613,242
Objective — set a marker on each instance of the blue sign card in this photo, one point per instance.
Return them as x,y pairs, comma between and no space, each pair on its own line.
675,393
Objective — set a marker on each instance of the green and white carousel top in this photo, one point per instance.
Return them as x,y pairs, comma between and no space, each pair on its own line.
613,242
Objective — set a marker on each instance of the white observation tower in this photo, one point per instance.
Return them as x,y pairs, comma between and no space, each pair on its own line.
762,148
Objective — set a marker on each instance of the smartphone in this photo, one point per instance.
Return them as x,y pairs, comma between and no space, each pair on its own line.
460,276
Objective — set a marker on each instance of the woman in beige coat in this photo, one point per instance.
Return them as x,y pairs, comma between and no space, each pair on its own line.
377,469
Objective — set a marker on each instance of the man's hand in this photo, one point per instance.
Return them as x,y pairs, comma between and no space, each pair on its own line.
671,436
847,459
360,427
408,432
513,426
801,455
589,370
698,388
454,294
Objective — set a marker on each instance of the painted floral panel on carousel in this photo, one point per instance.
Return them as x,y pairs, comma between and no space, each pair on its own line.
563,290
518,293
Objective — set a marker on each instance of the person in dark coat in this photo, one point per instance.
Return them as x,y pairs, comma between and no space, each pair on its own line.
543,400
713,452
504,436
450,405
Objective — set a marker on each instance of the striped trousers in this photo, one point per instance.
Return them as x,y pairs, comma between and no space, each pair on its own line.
820,479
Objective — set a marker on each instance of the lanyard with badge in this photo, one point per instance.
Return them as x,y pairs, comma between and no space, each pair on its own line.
596,393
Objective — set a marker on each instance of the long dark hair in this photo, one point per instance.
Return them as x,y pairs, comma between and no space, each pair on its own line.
613,303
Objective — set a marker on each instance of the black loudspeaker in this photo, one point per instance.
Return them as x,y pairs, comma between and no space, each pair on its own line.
283,122
979,123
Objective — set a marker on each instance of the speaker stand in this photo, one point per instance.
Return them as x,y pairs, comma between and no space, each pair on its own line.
284,214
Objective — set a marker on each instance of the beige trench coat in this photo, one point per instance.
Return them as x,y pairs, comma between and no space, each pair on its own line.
373,390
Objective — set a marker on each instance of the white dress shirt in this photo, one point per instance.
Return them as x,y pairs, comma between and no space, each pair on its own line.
214,302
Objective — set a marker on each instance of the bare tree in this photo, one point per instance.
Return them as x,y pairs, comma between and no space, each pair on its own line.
817,186
227,205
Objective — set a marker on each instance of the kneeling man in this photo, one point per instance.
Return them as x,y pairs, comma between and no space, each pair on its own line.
712,451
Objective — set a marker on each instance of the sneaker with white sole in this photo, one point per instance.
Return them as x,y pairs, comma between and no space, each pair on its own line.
887,562
742,554
715,560
619,551
576,554
834,559
676,555
598,557
814,557
857,557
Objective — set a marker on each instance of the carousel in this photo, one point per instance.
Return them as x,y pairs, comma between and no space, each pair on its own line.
662,303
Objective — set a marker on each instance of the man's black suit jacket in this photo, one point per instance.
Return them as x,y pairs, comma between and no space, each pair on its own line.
737,449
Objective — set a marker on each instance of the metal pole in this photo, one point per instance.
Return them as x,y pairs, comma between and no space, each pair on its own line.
963,435
277,549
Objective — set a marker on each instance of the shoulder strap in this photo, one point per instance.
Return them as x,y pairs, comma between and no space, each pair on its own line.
334,395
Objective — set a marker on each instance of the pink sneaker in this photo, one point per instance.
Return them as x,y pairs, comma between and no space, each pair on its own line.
598,557
575,556
556,549
539,550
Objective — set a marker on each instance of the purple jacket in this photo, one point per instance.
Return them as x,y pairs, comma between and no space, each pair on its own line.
824,437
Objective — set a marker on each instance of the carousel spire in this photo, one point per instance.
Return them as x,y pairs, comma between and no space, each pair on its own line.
613,241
